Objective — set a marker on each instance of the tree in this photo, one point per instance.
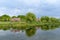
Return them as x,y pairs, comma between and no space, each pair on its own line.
0,18
44,18
22,17
13,16
30,17
5,17
52,19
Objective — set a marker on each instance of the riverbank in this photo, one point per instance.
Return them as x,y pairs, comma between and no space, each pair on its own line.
24,25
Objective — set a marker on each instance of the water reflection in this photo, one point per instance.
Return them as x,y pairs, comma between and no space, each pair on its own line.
39,35
49,27
30,31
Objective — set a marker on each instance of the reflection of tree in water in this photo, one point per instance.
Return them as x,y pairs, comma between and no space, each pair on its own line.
30,31
49,26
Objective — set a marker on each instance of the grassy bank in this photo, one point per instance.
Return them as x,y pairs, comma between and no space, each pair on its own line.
24,25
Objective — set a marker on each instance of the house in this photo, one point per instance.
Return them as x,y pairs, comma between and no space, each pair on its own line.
15,19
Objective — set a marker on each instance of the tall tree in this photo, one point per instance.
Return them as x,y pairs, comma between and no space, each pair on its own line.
30,17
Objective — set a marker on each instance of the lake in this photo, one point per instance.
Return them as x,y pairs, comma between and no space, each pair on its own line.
37,34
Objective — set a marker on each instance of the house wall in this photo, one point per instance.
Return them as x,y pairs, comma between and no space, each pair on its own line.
15,19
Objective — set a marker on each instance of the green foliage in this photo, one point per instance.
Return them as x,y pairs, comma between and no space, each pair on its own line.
5,18
30,17
22,17
44,18
29,20
30,32
14,17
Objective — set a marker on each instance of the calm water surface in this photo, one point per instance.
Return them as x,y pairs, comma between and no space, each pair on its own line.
39,35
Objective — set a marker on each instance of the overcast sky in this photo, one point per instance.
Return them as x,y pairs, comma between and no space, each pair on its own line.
39,7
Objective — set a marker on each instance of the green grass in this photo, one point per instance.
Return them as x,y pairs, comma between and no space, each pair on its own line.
24,25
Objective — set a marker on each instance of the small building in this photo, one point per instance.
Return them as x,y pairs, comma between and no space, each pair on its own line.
15,19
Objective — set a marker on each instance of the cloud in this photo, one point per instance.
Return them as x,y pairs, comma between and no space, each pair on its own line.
51,1
20,3
39,7
11,12
30,2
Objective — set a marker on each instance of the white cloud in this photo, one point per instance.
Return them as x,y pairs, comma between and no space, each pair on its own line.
15,12
39,7
30,2
2,9
11,12
51,1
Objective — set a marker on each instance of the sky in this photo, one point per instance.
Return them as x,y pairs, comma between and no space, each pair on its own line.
38,7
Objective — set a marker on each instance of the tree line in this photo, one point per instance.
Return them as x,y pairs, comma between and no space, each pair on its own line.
28,21
30,17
